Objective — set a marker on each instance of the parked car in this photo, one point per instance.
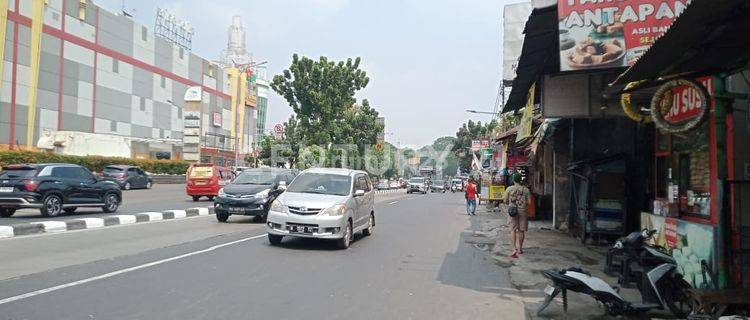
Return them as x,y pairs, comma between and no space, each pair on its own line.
55,188
251,193
324,204
394,184
438,186
128,177
417,184
205,180
383,185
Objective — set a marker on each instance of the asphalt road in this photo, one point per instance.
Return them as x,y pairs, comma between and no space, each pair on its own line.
160,197
417,265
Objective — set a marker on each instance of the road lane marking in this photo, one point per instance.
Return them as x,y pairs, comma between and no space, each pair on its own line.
126,270
394,202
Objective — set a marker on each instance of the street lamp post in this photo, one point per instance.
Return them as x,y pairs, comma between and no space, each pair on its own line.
481,112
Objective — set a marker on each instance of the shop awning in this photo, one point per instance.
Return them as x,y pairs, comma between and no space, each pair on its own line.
538,55
709,37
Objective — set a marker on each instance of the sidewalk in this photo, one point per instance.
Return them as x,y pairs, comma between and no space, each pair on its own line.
546,248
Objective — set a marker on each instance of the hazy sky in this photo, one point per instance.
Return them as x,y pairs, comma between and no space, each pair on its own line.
428,60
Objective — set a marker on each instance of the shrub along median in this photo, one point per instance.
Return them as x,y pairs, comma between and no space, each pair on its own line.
94,163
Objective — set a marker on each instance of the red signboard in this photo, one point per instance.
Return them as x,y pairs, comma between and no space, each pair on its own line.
686,101
597,34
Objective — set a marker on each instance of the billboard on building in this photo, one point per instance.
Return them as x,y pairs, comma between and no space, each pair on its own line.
611,34
514,21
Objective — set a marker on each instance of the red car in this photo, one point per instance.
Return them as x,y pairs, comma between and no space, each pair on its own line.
205,180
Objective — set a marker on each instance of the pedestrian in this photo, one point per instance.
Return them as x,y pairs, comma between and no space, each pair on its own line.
471,197
517,197
478,184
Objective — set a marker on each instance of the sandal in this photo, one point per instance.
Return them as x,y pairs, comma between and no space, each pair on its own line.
514,254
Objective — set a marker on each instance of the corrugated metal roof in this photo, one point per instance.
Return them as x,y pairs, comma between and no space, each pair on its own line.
537,56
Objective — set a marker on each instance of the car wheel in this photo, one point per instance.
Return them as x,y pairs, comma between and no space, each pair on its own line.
344,242
111,203
149,185
275,239
51,206
370,226
7,213
70,210
222,217
196,198
126,186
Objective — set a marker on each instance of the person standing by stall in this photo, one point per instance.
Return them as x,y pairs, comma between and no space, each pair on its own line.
471,197
517,197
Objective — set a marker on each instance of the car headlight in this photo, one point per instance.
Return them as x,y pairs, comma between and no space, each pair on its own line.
222,193
335,210
263,194
279,207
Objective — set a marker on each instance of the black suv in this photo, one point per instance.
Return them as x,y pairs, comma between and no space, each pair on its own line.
128,177
55,188
251,192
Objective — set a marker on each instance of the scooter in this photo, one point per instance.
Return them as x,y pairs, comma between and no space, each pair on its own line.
661,287
630,258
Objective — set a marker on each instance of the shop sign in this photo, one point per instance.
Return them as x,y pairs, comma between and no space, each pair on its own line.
194,94
476,145
192,123
496,192
217,119
251,100
608,34
687,102
688,243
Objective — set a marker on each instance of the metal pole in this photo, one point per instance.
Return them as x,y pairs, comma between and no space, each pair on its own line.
721,104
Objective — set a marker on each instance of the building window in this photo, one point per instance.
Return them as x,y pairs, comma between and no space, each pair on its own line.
144,33
113,126
163,82
179,113
182,53
115,65
210,70
143,104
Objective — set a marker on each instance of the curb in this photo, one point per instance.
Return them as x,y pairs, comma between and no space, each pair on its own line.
30,228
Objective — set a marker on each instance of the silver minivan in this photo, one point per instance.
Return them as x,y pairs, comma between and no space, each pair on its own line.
330,203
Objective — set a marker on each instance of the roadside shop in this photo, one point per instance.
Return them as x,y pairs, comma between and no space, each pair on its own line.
696,80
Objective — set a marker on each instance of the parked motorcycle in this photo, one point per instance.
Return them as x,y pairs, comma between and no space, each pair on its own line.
630,258
661,287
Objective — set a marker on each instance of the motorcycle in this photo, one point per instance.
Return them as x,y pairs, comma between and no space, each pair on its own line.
660,287
629,258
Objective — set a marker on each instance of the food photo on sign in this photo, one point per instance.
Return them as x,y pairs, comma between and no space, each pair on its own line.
605,34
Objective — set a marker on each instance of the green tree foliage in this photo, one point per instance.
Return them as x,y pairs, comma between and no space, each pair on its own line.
466,133
321,94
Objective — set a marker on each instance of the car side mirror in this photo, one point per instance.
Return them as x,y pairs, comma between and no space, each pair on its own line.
281,186
359,193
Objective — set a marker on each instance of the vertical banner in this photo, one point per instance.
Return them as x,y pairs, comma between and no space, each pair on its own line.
611,34
524,128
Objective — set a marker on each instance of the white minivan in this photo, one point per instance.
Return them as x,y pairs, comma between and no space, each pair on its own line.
324,203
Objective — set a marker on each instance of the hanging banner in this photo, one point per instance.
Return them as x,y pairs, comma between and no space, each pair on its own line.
611,34
524,128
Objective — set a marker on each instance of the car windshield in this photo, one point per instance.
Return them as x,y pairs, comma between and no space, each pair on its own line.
416,180
321,183
263,177
7,173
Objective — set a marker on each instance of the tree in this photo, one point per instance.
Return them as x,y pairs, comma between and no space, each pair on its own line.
318,91
321,94
471,131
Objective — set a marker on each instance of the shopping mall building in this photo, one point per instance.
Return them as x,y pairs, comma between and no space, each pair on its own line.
73,72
